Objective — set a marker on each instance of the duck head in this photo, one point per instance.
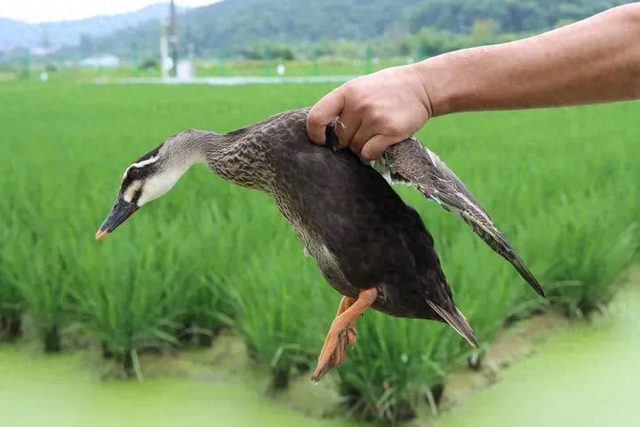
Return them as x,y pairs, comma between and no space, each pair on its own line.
150,177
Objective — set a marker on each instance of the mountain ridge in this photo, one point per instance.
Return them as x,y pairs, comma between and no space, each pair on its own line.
15,33
235,27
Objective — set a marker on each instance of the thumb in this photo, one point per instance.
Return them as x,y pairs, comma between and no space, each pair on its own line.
375,146
321,114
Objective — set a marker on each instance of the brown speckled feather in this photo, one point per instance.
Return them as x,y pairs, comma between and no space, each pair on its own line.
411,163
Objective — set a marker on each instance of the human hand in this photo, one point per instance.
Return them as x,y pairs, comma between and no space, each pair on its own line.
374,111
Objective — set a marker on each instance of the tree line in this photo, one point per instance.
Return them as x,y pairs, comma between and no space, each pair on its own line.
289,29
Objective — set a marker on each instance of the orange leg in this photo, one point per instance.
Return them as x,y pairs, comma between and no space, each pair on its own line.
351,332
342,332
347,337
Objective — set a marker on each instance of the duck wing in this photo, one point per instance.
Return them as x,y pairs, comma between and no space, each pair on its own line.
409,162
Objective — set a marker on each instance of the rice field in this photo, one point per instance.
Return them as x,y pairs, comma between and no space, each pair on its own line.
323,66
563,185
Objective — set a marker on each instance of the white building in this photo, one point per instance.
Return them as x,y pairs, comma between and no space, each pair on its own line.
105,61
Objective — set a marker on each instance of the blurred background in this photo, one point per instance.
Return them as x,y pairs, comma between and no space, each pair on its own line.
203,309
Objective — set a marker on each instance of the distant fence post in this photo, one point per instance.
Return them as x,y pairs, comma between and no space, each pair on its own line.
368,65
221,70
315,71
422,51
136,60
267,61
60,64
174,56
26,70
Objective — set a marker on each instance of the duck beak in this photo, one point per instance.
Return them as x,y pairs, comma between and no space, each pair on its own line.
119,214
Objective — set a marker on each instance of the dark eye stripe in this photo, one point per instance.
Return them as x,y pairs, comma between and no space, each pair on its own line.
141,173
136,196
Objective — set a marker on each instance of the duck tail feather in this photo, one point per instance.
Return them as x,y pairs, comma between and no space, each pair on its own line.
525,273
457,321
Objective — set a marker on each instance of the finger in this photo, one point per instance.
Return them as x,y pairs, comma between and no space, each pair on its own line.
346,129
375,146
361,137
322,113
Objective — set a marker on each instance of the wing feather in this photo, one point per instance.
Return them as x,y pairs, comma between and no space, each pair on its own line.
409,162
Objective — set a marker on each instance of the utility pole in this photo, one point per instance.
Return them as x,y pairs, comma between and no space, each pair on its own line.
45,42
173,37
164,49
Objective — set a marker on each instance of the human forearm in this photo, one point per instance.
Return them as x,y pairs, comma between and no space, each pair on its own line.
594,60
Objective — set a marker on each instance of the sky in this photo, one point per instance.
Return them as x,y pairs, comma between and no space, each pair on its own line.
63,10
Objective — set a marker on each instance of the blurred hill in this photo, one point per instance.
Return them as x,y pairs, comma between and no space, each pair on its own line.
22,34
245,27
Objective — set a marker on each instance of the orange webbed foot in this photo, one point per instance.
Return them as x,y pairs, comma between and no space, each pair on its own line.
342,332
334,351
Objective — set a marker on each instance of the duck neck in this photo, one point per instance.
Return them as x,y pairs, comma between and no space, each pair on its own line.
238,158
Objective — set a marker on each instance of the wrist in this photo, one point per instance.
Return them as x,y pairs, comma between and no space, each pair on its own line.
439,84
453,81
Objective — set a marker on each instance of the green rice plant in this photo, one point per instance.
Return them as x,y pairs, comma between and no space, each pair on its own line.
147,282
392,368
11,306
283,300
42,283
281,317
596,246
212,308
208,266
398,364
566,200
562,185
125,306
34,264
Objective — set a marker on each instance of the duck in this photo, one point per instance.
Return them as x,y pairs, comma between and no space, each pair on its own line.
369,245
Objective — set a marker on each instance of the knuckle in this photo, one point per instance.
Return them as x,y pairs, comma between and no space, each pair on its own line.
315,117
348,85
377,147
392,128
378,117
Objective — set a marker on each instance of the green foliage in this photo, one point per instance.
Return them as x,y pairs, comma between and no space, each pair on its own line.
269,50
395,365
561,184
511,16
39,284
149,64
484,30
10,302
234,26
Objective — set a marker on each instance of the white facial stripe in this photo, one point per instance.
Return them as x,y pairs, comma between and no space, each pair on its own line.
141,164
146,162
131,191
